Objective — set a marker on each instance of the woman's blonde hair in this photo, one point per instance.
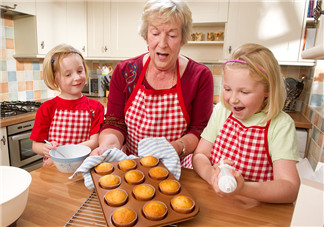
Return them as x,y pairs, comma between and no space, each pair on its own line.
52,62
264,68
167,10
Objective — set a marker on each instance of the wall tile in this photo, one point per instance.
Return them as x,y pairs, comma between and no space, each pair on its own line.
36,75
29,85
12,76
22,96
13,95
3,65
11,65
29,95
4,88
35,65
20,66
10,43
9,33
21,86
8,22
13,86
21,76
2,54
37,94
29,75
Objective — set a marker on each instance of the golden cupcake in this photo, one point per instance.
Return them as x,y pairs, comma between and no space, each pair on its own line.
104,168
109,181
169,187
158,173
127,164
124,217
116,197
155,210
149,161
144,192
134,177
182,204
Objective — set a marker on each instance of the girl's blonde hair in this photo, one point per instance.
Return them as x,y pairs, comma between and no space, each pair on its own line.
167,10
52,62
264,68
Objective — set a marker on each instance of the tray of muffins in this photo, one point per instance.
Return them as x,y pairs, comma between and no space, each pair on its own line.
141,192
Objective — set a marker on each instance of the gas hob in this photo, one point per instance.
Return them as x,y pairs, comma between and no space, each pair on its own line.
13,108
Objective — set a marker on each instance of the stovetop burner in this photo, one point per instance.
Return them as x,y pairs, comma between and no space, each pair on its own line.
13,108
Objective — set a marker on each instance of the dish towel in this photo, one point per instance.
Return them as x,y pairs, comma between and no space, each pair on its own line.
158,147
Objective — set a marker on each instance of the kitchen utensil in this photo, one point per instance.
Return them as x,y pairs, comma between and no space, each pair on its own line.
54,150
74,155
14,188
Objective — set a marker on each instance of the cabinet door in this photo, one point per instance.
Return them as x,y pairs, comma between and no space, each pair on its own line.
126,41
51,24
22,6
208,10
76,21
98,28
274,24
4,153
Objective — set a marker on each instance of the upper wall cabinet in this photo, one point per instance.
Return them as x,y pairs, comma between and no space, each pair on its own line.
208,10
20,6
274,24
55,22
207,38
113,29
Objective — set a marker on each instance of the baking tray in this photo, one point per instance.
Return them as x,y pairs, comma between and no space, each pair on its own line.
137,205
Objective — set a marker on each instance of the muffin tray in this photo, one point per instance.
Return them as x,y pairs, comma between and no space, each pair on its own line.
171,217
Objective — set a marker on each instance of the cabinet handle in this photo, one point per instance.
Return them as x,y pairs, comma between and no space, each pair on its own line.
230,49
3,140
83,48
106,49
42,44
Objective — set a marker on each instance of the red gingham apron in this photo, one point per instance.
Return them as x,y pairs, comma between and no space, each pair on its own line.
70,126
154,113
247,147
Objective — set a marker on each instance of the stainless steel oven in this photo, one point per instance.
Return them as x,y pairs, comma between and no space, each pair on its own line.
20,147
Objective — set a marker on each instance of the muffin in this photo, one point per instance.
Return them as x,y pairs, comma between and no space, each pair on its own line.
104,168
127,164
144,192
158,173
116,197
134,177
182,204
124,217
169,187
109,181
155,210
149,161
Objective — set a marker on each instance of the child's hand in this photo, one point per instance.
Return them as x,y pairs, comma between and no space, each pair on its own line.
47,148
48,161
98,151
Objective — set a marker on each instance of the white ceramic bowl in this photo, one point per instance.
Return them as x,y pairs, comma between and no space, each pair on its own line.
14,188
74,155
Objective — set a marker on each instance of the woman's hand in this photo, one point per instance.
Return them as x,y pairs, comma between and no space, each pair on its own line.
98,151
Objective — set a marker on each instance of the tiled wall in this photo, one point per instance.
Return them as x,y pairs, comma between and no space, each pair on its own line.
315,113
23,80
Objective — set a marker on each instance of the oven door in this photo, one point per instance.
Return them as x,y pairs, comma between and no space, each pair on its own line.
20,150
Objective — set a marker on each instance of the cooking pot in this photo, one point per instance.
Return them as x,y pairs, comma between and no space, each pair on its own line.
14,187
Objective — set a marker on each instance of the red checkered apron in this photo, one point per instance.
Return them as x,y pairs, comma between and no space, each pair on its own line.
154,113
247,147
70,126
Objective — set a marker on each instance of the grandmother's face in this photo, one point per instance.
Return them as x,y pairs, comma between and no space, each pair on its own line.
164,42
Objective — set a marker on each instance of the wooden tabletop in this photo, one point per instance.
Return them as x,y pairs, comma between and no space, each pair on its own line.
53,199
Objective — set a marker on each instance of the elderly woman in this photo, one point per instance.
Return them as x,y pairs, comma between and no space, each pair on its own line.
160,93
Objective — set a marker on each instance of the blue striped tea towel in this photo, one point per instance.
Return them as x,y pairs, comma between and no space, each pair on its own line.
158,147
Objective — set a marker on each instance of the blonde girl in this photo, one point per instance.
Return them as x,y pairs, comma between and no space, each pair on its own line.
249,130
69,118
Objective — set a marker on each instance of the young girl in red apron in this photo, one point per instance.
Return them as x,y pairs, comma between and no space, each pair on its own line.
70,118
249,131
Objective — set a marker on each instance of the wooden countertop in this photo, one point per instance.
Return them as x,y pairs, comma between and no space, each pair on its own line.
53,199
300,120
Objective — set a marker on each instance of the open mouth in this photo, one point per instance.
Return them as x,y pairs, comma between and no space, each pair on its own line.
239,109
162,56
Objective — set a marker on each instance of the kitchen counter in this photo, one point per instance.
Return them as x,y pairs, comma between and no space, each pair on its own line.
53,199
300,120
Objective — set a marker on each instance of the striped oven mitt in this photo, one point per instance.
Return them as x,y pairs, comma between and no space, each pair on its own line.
158,147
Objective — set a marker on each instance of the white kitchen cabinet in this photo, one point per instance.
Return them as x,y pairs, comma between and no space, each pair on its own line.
22,6
4,153
275,24
98,28
56,22
126,41
76,22
208,10
113,29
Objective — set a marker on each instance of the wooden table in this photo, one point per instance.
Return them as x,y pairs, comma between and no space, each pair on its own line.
53,199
